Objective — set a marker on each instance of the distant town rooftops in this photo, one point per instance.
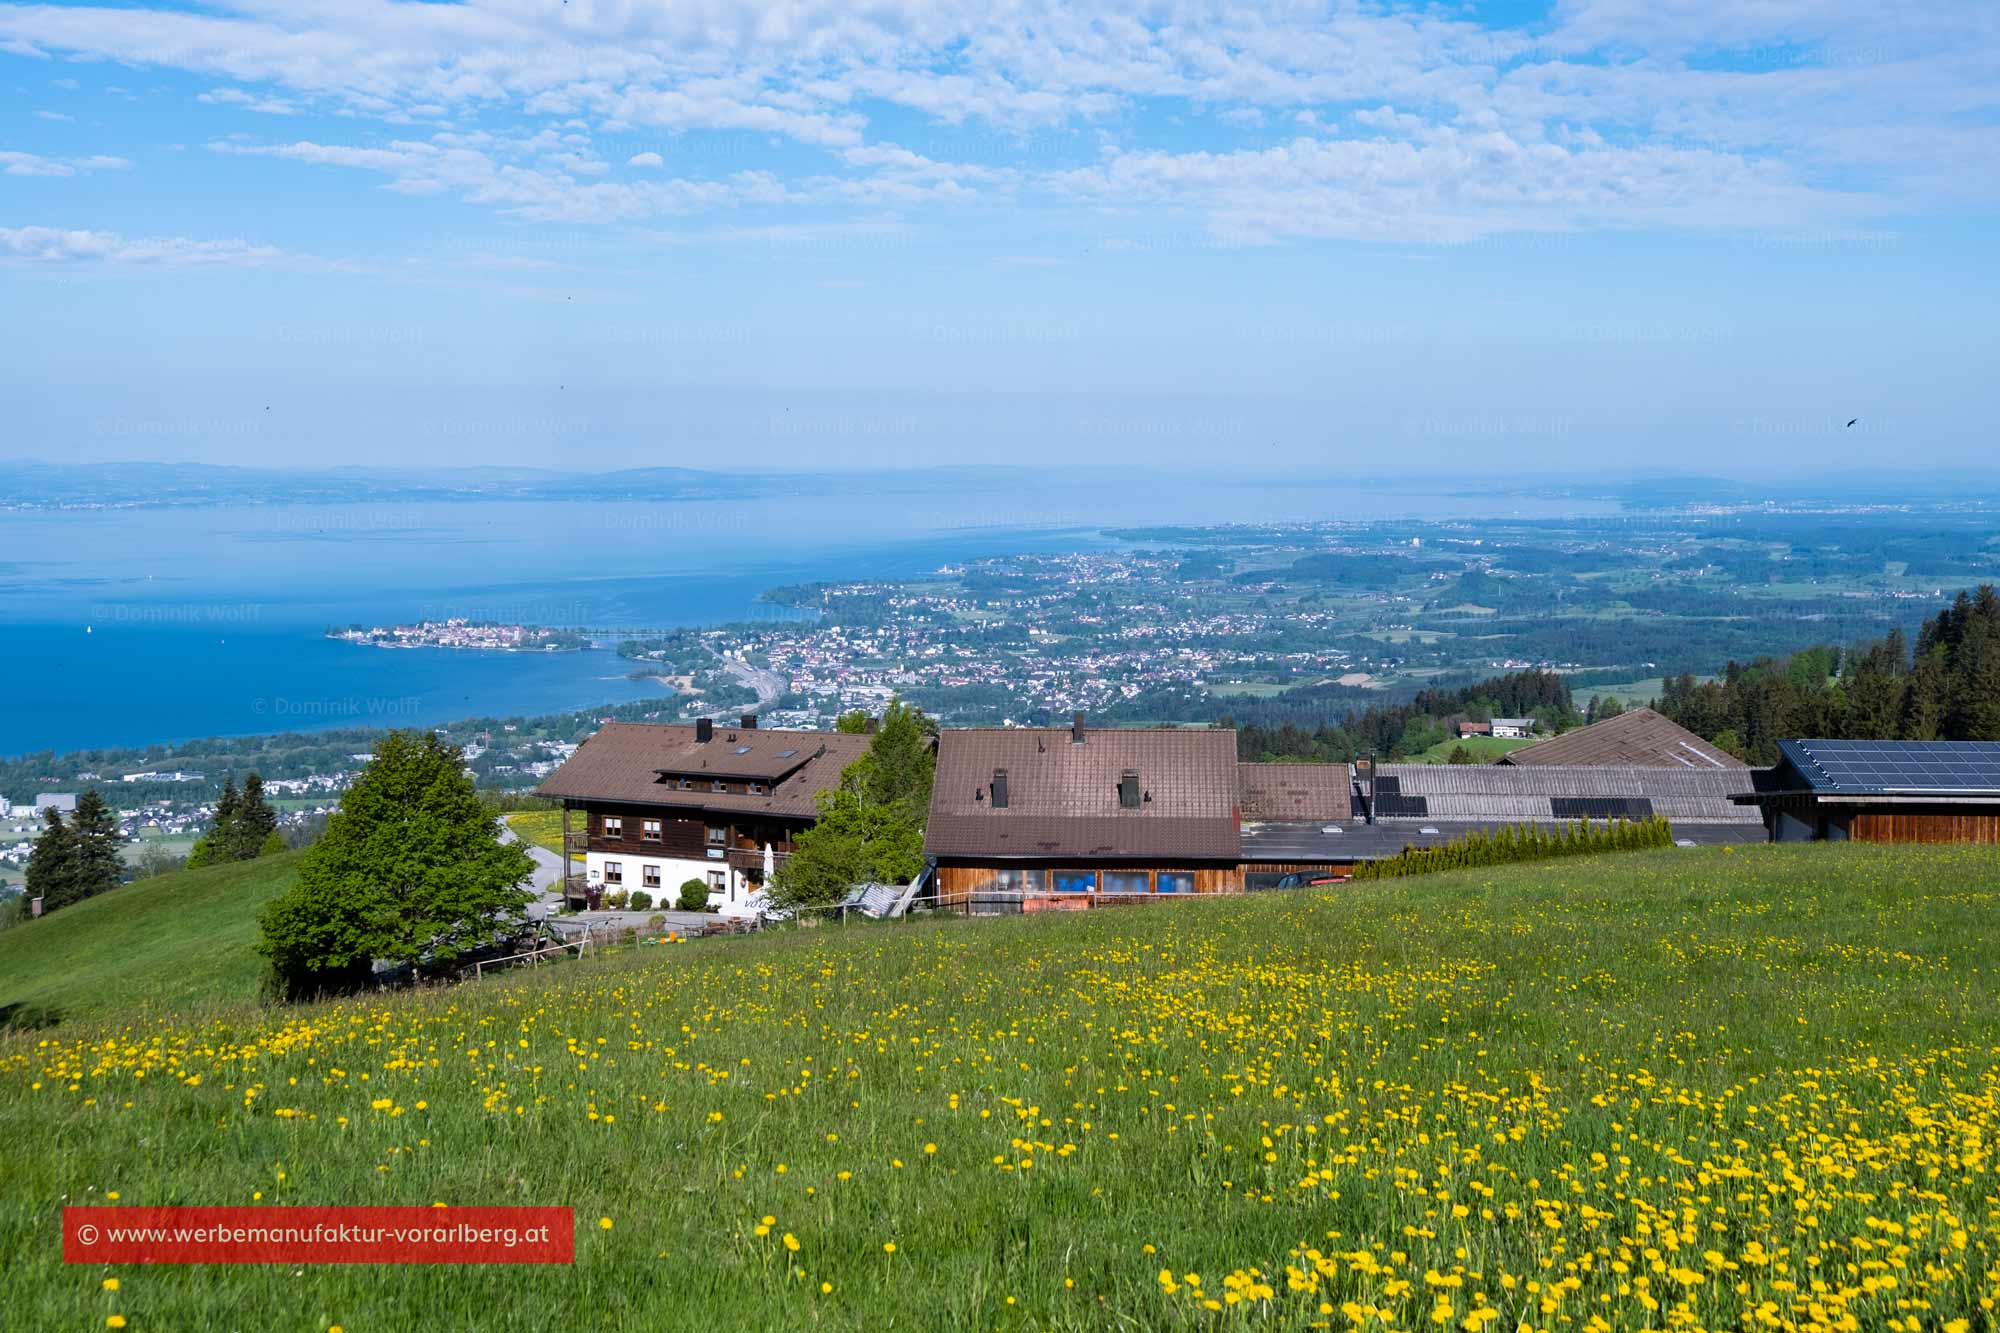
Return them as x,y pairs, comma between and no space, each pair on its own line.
1640,738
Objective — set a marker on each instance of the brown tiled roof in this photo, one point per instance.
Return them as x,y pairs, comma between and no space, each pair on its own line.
1296,791
623,761
1063,797
1641,738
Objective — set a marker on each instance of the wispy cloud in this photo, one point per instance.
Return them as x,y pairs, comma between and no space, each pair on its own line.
14,163
54,245
1608,113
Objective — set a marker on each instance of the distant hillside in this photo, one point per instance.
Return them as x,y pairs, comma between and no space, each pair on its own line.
170,943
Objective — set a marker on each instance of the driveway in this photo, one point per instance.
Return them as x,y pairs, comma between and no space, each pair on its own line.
546,875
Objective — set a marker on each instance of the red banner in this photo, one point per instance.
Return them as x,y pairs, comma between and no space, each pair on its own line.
121,1235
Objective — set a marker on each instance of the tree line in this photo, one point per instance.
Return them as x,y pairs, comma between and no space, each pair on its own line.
1527,842
1944,687
1395,731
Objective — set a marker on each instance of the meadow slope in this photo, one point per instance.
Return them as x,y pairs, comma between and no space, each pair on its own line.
1728,1088
157,945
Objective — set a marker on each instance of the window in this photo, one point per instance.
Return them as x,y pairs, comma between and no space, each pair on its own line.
716,881
614,827
1176,881
614,872
1127,881
1021,881
718,785
650,830
1076,881
756,789
650,876
718,836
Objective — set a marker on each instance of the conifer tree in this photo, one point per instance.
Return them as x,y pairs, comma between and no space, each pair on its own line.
255,821
94,832
52,863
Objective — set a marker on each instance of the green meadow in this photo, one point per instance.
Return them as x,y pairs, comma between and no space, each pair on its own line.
1744,1088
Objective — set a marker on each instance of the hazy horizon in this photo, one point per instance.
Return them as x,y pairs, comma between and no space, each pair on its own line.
1593,235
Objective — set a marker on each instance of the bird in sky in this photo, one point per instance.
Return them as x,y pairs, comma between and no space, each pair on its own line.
1851,421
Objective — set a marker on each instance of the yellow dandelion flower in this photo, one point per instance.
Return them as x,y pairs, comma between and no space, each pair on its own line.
604,1224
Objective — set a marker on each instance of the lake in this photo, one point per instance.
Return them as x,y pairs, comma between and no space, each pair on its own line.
130,627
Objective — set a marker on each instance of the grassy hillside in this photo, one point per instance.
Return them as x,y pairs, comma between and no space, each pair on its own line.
1738,1088
159,945
542,827
1485,749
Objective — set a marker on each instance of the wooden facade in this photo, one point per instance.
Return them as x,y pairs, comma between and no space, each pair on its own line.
1056,885
1906,825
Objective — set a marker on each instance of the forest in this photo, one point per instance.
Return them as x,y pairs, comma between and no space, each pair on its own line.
1945,686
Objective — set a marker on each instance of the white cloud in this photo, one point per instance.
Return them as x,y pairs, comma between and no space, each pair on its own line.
269,106
51,245
14,163
1451,187
1611,113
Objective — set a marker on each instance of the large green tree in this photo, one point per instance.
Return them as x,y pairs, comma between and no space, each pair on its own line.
411,870
871,826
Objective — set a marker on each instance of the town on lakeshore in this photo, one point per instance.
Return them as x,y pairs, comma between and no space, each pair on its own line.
458,632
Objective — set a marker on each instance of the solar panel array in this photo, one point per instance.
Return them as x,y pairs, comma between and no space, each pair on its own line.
1898,766
1600,807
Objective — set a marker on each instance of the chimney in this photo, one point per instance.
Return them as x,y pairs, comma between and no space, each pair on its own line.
704,730
1365,772
999,789
1076,727
749,722
1128,789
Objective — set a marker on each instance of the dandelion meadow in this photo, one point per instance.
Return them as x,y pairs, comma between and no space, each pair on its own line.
1669,1089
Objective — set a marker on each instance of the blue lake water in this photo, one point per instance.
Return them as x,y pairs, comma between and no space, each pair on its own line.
140,626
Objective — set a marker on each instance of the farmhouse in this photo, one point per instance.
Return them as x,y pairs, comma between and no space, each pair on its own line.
650,807
1028,819
1881,791
1299,817
1641,738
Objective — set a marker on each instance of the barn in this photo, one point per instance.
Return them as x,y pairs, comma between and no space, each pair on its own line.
1033,819
1881,791
1299,818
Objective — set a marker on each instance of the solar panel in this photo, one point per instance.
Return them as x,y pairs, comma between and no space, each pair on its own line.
1600,807
1898,766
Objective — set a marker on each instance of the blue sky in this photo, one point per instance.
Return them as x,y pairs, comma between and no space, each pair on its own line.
1600,234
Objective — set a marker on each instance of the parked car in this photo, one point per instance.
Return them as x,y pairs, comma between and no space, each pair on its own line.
1310,879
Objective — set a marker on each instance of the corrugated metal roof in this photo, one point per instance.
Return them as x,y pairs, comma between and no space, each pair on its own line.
1641,738
1062,798
622,763
1286,842
1498,792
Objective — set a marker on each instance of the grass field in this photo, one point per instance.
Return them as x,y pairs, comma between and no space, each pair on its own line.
543,827
1722,1088
166,944
1485,749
